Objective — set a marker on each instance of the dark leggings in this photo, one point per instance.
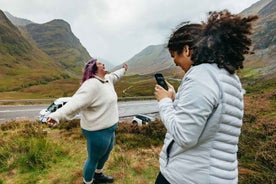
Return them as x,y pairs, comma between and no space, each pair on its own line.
99,145
161,179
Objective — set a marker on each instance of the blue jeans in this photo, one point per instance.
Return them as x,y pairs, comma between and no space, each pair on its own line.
99,144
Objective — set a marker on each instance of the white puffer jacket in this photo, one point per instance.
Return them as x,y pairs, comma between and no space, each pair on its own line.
204,123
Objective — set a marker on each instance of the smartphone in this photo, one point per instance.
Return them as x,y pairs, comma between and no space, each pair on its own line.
160,80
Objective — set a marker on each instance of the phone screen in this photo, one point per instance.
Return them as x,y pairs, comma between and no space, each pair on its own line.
161,81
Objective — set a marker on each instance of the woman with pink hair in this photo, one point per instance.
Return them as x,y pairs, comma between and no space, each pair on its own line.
96,101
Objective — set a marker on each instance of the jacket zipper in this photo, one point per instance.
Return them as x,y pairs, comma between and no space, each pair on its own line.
168,151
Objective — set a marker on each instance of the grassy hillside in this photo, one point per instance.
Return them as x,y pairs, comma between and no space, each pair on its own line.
138,85
30,152
22,64
39,56
128,86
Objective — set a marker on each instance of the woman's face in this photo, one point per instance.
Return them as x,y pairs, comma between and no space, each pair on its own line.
183,59
100,67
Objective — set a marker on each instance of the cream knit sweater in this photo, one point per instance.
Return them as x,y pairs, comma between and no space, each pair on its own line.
96,101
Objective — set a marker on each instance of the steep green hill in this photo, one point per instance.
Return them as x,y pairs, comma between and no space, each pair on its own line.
22,64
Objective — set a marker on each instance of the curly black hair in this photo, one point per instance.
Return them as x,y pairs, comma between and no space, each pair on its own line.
225,40
186,34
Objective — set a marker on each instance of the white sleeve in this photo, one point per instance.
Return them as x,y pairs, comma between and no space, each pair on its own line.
116,75
82,98
186,117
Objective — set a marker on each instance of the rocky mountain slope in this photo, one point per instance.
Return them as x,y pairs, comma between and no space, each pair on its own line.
56,39
264,39
152,58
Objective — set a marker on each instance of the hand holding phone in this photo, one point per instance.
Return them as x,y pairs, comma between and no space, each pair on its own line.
160,80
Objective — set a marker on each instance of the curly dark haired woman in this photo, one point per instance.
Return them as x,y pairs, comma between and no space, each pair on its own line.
204,118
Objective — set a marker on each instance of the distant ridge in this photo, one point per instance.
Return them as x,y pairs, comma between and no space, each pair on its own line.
255,8
151,59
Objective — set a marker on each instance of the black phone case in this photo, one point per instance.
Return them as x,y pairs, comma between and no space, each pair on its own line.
160,80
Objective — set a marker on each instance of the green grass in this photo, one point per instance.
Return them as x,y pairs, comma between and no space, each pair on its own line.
249,72
128,86
139,85
30,152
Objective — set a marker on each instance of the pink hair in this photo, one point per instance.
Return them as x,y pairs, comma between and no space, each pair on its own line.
89,70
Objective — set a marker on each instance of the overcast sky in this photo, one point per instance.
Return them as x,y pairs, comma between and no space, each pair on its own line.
116,30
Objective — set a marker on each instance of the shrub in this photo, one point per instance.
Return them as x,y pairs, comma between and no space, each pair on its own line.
26,147
133,136
154,130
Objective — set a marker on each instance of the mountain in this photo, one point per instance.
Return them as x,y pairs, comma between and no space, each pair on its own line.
265,27
255,8
22,63
151,59
11,39
56,39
